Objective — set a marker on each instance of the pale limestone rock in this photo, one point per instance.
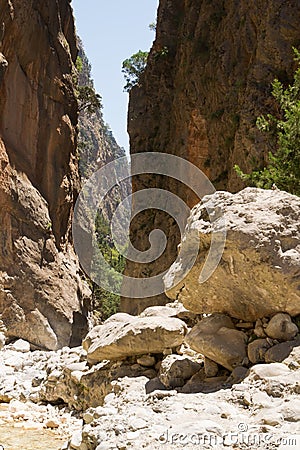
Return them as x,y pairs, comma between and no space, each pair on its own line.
226,346
119,317
76,440
262,400
262,244
176,369
266,371
271,418
140,335
161,311
21,346
257,350
291,411
175,309
281,327
293,360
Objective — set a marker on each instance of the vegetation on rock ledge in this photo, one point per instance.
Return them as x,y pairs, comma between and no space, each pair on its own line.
133,67
283,167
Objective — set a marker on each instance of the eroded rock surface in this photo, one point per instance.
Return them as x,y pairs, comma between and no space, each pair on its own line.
123,402
223,345
137,336
42,298
258,274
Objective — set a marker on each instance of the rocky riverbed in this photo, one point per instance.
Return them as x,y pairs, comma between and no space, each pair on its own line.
168,399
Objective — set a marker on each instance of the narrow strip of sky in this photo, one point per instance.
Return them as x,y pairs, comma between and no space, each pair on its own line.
112,31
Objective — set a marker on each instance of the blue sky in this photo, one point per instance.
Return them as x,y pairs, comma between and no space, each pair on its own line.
112,31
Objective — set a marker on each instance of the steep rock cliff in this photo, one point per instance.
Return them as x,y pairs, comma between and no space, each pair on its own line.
96,143
41,295
208,77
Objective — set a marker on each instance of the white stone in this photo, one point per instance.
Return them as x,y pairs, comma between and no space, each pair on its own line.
265,371
21,346
138,336
137,424
76,440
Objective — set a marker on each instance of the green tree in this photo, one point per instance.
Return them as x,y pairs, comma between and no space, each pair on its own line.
152,26
79,64
133,67
106,303
88,99
283,167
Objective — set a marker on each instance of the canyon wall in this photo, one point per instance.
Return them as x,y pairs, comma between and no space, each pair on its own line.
207,79
41,296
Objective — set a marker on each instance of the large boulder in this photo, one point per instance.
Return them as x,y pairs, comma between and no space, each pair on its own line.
176,369
258,274
281,327
257,350
136,336
216,340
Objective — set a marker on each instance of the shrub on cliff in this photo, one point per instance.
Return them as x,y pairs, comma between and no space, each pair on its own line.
133,67
88,99
106,303
283,168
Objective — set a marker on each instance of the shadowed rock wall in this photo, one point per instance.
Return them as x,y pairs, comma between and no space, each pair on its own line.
41,295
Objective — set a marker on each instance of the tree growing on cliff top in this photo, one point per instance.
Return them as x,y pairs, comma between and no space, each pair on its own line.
88,99
133,67
283,168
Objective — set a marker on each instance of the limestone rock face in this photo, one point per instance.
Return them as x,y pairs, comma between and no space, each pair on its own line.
258,274
41,295
207,79
138,336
